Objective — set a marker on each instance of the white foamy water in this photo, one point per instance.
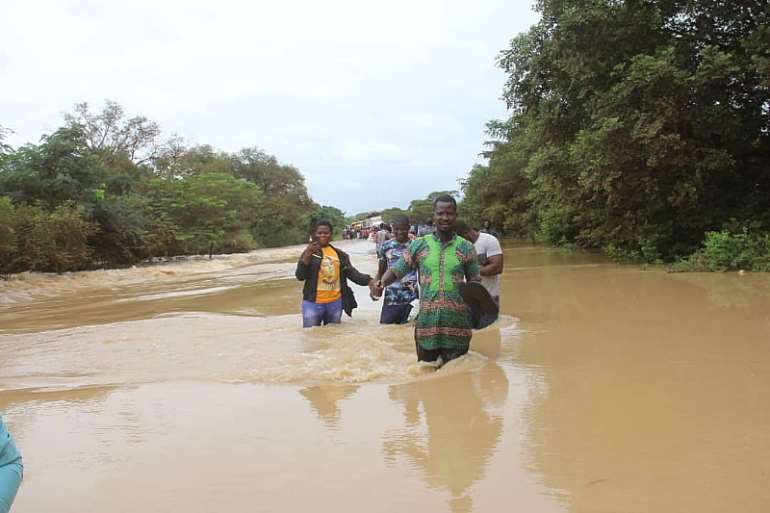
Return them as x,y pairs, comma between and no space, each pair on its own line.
225,348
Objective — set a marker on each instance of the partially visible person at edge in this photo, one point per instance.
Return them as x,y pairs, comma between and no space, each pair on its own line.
11,469
383,235
490,256
325,271
444,262
399,296
425,229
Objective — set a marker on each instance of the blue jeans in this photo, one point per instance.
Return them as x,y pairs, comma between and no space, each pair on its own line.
315,314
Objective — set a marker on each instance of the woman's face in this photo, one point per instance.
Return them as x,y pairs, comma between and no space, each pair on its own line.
323,234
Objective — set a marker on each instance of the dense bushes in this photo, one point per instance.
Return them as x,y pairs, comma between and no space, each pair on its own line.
104,191
33,238
728,251
635,127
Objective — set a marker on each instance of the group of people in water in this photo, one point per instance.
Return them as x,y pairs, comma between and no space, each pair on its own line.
454,271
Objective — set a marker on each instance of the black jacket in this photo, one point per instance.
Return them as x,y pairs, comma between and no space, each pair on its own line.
309,274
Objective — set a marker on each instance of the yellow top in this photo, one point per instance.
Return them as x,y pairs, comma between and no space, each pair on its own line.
328,289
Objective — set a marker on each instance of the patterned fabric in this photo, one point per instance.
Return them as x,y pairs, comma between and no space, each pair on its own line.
403,291
443,321
329,289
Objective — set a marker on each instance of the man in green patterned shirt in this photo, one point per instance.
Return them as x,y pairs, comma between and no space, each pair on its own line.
444,262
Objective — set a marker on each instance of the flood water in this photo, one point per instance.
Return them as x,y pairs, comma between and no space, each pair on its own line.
191,387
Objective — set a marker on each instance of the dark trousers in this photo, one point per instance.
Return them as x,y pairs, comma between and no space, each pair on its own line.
395,314
431,355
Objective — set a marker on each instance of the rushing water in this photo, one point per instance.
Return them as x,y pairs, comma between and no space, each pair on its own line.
190,387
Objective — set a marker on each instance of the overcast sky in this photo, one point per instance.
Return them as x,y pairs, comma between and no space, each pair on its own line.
376,102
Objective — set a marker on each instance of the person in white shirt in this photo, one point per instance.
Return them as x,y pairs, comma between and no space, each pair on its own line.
490,256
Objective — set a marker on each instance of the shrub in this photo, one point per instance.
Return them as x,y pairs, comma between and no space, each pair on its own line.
54,241
728,251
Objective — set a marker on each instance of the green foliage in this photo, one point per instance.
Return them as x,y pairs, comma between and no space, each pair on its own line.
8,241
421,210
57,170
636,126
332,214
730,251
103,191
283,217
389,214
36,239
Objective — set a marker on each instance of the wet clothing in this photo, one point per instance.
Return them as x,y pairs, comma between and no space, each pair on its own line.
481,320
328,288
11,469
488,246
316,314
403,291
443,322
431,355
395,314
309,274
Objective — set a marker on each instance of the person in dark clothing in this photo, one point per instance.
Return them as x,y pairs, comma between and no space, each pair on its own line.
325,271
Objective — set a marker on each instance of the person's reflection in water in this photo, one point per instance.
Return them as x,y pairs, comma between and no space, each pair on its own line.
461,434
324,399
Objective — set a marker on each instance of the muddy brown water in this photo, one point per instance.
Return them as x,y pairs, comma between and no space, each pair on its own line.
191,387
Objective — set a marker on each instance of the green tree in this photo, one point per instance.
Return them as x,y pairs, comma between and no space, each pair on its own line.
111,135
54,240
389,214
328,213
283,214
421,210
634,125
59,169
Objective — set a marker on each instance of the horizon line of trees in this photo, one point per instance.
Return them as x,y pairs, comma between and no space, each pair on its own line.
636,126
107,190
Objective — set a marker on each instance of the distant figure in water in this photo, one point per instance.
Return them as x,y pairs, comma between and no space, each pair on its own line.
445,263
383,235
400,295
490,256
11,469
325,271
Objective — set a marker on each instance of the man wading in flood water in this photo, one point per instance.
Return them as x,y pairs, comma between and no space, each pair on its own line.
400,295
326,271
490,256
445,263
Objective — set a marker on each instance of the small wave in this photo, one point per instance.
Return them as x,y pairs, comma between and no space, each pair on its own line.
28,286
228,348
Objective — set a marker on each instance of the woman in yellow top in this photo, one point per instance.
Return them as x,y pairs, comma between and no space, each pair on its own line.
325,271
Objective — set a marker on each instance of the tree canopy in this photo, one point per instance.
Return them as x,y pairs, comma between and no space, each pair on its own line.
106,189
636,126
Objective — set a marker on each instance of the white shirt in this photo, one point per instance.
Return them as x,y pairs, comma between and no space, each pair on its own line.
488,246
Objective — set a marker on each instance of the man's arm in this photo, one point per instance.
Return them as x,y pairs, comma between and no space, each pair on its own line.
493,267
383,266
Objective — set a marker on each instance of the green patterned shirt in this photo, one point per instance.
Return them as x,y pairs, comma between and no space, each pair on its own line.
443,321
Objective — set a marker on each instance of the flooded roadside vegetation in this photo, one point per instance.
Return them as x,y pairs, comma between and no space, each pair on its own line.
170,299
602,387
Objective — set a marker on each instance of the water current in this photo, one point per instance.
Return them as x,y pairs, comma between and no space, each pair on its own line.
191,387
